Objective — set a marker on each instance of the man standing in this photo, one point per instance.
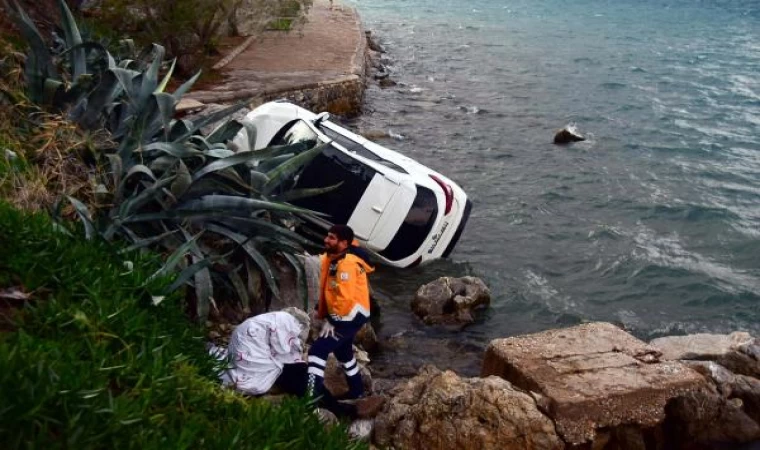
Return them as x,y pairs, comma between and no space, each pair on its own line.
344,304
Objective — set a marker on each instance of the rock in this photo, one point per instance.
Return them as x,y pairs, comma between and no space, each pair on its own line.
327,417
381,75
386,82
594,376
450,300
372,43
361,429
703,418
738,351
567,135
440,410
741,390
188,105
335,377
366,338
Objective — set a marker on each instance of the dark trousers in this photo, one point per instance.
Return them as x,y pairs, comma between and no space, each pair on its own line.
293,380
341,347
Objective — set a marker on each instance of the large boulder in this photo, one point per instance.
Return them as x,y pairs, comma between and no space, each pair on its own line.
739,352
449,300
440,410
592,379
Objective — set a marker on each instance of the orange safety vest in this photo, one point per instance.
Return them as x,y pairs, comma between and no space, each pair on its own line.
344,291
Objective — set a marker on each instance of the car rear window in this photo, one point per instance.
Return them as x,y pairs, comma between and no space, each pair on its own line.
416,227
353,146
329,168
295,132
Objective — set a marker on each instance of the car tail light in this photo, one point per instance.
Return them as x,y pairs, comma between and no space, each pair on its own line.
447,191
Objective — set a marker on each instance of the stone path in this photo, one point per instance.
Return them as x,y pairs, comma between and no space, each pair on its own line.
316,65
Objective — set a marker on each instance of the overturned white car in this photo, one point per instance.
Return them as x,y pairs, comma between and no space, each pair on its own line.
402,211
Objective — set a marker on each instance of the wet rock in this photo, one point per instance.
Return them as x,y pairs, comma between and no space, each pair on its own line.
440,410
567,135
450,300
381,75
372,43
595,377
386,82
738,351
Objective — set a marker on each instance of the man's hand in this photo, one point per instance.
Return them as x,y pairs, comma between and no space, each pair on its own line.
328,330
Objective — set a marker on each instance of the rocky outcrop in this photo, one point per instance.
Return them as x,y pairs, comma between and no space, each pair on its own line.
727,411
449,300
592,380
439,410
739,352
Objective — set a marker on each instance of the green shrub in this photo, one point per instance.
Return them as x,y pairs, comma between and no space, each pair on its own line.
89,362
219,216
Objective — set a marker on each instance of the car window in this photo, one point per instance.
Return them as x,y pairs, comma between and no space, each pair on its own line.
331,167
416,227
293,133
353,146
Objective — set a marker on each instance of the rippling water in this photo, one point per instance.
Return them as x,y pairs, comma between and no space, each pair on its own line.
652,223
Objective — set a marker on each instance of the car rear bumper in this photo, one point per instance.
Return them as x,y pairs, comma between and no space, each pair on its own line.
460,229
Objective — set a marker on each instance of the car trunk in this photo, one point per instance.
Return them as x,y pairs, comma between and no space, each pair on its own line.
372,206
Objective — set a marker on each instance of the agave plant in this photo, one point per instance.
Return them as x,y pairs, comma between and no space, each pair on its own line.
218,215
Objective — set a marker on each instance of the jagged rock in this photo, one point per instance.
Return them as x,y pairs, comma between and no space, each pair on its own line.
440,410
703,418
372,43
740,390
738,352
450,300
381,75
595,377
386,82
335,377
366,338
567,135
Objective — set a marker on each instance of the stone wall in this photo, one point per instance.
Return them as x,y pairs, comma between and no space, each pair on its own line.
342,96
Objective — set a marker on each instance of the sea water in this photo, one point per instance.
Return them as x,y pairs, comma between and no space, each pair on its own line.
652,223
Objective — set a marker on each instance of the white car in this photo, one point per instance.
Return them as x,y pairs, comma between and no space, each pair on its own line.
401,211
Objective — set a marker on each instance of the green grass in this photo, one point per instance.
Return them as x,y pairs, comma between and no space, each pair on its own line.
89,362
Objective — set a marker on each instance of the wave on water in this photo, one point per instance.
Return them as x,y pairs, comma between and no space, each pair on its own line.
668,251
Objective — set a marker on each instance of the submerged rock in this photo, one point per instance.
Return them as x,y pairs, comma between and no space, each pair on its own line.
440,410
449,300
567,135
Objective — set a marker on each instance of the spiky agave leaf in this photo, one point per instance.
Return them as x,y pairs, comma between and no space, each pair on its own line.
247,245
39,62
288,168
77,55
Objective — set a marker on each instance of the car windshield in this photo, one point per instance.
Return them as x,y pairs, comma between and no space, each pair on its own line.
329,168
416,227
297,132
353,146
